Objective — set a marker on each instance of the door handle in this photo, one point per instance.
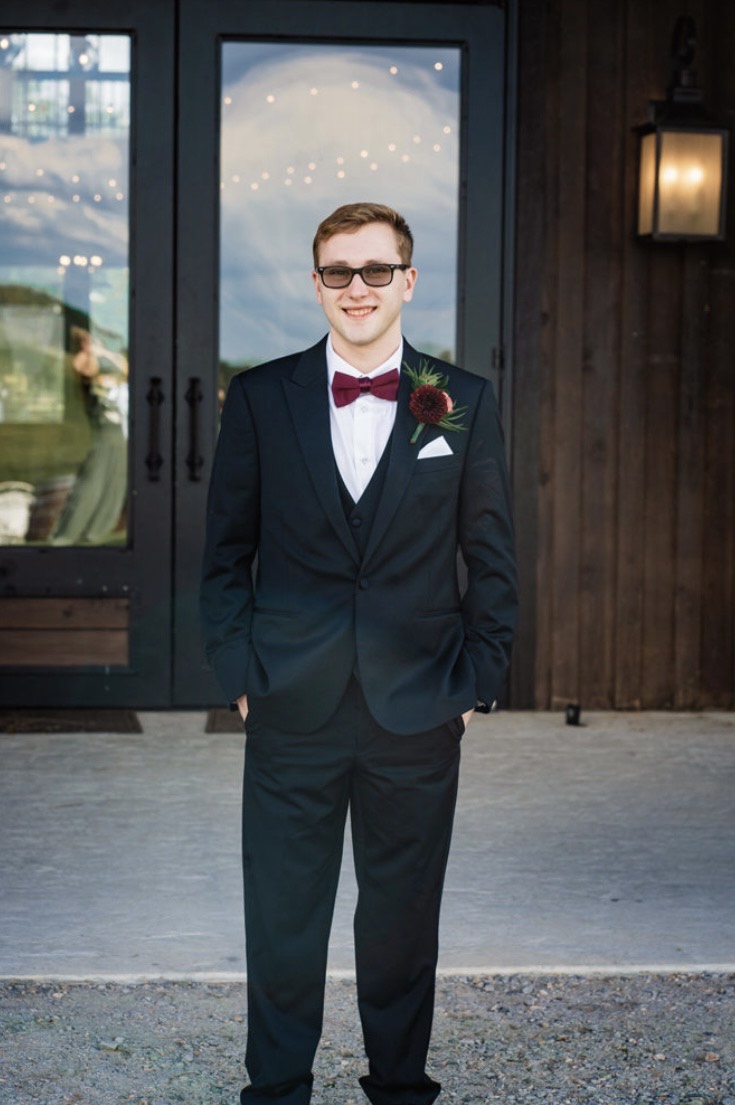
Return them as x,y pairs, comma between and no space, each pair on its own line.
154,460
194,459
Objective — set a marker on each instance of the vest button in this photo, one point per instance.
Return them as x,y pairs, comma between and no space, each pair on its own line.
356,522
363,585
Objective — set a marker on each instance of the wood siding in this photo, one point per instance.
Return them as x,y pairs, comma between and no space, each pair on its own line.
64,632
624,380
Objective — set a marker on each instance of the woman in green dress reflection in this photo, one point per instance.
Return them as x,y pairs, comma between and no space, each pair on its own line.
92,511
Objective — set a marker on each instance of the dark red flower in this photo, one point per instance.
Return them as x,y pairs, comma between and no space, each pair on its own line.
428,404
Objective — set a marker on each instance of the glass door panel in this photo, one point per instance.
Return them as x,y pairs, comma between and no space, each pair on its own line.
304,129
86,358
64,288
288,109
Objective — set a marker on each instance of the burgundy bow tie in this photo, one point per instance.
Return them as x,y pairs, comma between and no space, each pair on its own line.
346,389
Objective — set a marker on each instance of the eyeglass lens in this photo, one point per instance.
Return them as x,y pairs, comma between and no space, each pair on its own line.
338,276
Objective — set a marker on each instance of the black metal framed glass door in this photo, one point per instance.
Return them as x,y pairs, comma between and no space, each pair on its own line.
86,280
288,109
156,215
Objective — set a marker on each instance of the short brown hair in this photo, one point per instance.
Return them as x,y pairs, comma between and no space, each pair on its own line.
352,216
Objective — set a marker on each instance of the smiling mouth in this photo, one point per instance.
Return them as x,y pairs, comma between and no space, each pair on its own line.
358,312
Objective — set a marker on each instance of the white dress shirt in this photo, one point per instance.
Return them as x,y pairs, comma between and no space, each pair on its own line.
360,430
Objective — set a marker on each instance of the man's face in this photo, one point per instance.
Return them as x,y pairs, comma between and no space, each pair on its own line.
365,322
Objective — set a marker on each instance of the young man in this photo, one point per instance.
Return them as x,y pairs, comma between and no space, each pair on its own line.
355,471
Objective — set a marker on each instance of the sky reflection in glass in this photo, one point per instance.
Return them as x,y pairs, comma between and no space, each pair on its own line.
306,128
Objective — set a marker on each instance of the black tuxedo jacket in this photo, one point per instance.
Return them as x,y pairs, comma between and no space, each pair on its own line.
316,610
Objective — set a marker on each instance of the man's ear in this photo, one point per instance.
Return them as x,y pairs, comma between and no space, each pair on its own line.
317,284
411,278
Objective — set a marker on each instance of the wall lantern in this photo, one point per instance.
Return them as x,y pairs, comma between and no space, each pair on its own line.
682,187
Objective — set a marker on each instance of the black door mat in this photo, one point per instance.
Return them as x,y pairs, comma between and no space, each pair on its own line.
69,721
223,721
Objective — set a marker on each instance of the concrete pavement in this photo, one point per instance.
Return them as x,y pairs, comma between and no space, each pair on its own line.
609,847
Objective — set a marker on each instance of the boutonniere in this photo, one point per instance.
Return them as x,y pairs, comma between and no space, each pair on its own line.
430,403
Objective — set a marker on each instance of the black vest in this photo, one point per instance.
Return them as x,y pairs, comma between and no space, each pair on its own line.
360,514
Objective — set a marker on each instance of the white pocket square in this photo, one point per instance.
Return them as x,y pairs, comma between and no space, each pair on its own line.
439,447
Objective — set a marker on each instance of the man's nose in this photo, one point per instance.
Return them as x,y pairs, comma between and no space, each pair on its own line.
358,285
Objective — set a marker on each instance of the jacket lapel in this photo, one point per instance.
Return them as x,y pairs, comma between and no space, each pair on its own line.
306,395
402,458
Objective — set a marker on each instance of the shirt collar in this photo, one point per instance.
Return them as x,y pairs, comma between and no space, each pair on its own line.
335,363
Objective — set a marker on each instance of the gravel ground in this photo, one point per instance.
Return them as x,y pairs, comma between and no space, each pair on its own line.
561,1040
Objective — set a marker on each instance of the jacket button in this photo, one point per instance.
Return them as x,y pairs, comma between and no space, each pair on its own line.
363,585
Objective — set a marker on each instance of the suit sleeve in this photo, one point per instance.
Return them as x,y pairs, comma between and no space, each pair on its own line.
487,543
232,534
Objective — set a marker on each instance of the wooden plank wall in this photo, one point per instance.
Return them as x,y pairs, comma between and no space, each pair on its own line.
624,390
64,632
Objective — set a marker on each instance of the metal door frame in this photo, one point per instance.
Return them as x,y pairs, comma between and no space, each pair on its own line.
481,31
174,297
142,571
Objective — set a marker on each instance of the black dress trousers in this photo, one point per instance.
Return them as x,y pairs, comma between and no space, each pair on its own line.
401,794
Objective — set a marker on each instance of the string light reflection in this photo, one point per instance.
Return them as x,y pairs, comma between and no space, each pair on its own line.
238,154
382,123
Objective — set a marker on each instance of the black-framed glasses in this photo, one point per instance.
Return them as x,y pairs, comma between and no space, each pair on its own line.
341,276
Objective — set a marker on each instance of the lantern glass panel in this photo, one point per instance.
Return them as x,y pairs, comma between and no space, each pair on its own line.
690,183
647,184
